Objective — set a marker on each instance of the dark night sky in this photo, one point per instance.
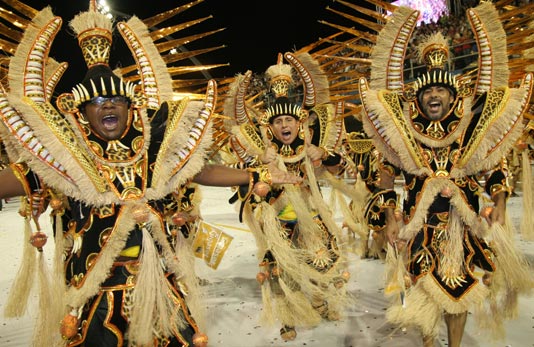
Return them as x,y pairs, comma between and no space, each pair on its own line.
255,30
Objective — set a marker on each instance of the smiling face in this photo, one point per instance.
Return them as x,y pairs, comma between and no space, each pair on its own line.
436,102
285,128
108,117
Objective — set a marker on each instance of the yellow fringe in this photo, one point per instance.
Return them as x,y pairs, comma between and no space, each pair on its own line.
89,20
452,257
175,138
268,316
195,293
511,278
394,273
159,67
19,293
252,219
510,260
59,285
386,40
320,81
311,235
46,328
420,311
527,221
57,307
153,307
291,260
294,308
495,34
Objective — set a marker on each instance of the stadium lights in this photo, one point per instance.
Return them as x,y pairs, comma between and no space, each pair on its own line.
104,8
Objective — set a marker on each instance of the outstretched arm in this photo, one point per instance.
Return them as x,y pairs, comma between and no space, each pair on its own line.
223,176
10,186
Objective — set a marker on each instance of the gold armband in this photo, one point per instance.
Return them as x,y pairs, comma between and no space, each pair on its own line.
498,188
390,169
264,175
20,170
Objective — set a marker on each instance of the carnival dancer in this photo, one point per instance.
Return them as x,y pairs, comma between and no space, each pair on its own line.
110,159
302,269
452,251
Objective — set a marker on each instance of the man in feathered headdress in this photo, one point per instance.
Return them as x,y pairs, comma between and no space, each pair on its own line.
112,166
443,136
302,269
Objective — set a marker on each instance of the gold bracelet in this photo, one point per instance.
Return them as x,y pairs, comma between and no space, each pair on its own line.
498,188
250,183
388,168
265,175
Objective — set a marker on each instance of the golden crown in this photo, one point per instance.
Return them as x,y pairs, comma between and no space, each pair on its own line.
283,109
434,53
94,33
279,78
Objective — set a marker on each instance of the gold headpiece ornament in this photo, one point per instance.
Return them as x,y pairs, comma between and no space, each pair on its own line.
434,53
94,32
279,77
283,106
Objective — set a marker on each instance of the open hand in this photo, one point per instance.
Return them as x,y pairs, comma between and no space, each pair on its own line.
279,176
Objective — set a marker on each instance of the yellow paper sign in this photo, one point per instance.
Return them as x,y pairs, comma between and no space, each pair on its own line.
210,244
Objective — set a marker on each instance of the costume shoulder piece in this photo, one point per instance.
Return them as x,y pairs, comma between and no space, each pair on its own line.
501,120
56,141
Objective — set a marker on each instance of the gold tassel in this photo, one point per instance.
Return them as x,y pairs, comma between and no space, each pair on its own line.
252,219
527,221
194,296
59,285
57,306
19,293
418,311
153,308
46,327
510,261
268,316
452,263
395,274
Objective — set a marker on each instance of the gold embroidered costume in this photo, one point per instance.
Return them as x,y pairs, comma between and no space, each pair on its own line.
442,162
127,268
302,270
